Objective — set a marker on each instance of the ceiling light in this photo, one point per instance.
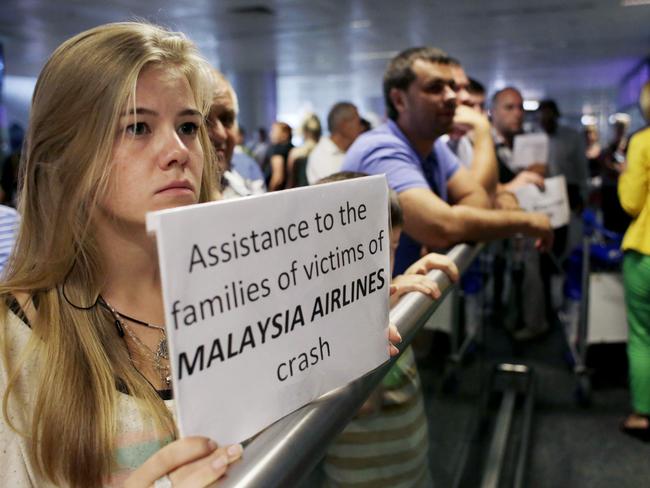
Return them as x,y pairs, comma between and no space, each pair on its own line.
588,119
531,105
619,117
634,3
360,24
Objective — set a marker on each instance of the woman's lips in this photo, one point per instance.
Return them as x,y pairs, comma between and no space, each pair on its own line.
177,188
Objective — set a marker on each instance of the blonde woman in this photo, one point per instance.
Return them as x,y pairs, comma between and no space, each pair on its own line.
634,193
117,130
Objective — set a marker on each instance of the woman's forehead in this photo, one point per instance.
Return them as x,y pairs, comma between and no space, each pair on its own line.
161,74
158,85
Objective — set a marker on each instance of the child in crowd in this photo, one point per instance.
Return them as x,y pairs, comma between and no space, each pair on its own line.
387,443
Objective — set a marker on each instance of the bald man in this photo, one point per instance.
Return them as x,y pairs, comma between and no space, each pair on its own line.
241,175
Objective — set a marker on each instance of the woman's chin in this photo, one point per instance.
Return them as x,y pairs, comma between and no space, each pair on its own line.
173,200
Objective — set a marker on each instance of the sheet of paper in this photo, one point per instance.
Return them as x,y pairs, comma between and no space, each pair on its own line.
553,201
529,149
272,301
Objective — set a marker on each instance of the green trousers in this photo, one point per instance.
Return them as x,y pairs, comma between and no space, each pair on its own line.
636,281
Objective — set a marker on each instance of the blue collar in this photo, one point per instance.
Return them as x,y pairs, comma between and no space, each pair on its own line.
397,132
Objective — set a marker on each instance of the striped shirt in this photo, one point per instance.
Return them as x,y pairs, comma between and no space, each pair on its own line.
9,222
389,448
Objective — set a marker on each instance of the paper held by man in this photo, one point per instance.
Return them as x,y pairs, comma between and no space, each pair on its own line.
552,201
529,150
272,301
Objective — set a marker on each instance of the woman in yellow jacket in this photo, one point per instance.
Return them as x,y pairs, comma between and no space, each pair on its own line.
634,194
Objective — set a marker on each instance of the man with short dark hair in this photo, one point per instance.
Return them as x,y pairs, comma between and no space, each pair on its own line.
344,125
477,95
419,91
507,112
566,153
566,156
471,137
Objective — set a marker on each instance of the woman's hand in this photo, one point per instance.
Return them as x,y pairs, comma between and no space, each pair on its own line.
189,462
433,261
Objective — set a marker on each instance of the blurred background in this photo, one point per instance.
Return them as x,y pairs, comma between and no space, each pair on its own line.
287,58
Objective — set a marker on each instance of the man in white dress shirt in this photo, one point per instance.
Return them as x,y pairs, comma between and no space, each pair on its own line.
344,125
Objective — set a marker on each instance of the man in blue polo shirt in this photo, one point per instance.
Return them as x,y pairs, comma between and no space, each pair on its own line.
419,92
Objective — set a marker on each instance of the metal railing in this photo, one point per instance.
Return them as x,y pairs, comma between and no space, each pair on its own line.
287,451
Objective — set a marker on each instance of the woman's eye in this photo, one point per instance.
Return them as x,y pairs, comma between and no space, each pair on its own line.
137,129
188,129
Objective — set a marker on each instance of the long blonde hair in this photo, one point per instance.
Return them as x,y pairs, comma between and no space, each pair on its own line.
81,92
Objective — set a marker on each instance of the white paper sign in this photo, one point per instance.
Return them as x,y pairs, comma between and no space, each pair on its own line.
553,201
528,149
272,301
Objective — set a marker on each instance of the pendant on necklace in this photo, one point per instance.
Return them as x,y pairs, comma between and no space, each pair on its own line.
163,350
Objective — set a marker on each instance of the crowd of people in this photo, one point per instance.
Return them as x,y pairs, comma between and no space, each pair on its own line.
81,333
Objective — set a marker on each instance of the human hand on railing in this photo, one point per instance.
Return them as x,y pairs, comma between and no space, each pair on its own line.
506,200
414,282
524,178
394,336
184,463
434,261
540,227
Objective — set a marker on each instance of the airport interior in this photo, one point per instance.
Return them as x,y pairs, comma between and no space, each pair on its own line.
513,137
